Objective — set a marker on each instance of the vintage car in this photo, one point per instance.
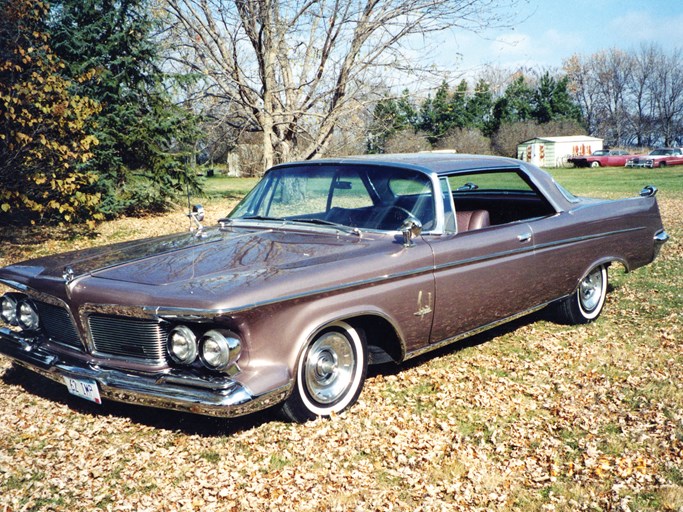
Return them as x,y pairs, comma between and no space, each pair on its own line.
660,157
601,158
323,268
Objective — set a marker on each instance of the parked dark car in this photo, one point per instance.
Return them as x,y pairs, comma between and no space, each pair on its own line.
325,267
660,157
602,158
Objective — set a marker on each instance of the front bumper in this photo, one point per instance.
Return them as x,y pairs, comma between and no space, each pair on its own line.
219,396
642,163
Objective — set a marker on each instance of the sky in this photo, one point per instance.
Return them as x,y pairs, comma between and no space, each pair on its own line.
549,31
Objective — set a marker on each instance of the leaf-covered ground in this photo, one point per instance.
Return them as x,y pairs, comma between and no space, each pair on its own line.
532,416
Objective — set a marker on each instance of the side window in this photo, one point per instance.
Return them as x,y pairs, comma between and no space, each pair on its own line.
413,194
508,181
485,198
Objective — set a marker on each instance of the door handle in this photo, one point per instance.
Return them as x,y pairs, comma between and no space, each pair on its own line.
524,237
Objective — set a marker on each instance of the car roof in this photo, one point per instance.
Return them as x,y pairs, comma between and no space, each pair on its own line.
437,162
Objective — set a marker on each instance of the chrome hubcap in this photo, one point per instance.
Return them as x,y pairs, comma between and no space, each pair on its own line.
590,290
329,367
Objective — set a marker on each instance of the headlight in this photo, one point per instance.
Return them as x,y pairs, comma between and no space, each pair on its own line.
182,345
8,309
219,349
27,315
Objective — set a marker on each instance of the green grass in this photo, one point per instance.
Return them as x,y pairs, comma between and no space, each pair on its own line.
223,187
620,181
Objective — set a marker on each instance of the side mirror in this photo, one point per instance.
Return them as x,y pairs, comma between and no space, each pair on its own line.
411,228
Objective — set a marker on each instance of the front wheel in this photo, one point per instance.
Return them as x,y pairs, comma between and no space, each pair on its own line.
595,164
585,304
330,374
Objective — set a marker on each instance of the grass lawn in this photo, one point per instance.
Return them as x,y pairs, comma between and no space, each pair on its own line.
532,416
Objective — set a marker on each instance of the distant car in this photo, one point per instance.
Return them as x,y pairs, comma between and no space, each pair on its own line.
326,266
660,157
602,158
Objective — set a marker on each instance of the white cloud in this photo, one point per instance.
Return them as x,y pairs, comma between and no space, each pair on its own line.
642,26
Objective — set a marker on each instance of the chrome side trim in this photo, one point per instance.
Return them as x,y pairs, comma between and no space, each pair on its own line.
217,396
473,332
586,238
14,284
171,313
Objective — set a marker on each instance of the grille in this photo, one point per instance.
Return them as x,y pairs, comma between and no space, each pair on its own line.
58,325
128,337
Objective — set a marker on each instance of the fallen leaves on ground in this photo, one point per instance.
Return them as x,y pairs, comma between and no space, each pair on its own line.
531,416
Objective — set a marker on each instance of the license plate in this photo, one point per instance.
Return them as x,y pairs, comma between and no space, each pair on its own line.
84,388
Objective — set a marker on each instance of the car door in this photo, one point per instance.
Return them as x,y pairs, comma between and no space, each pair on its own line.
482,276
486,271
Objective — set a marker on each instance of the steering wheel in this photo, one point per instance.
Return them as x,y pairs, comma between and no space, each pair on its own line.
393,217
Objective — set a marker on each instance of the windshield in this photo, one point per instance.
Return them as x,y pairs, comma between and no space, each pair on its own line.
356,196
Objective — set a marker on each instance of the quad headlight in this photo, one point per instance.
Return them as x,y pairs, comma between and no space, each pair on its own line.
182,345
27,315
218,350
8,309
16,309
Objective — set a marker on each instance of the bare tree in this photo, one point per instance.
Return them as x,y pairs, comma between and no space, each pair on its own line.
668,94
466,140
292,70
407,141
584,89
641,110
631,97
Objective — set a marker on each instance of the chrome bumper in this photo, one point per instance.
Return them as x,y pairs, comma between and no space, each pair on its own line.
221,397
660,238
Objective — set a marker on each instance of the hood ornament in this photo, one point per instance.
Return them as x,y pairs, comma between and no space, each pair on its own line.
68,274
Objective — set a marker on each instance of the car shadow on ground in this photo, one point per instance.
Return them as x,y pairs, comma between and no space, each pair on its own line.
188,423
386,369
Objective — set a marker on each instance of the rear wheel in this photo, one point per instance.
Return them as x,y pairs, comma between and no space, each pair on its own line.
330,374
585,304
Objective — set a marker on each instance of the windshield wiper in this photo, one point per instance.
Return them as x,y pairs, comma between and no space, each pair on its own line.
319,222
323,222
260,217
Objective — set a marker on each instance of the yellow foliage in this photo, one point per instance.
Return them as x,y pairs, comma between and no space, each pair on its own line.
46,126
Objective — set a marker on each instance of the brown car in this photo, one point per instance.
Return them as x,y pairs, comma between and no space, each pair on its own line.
325,267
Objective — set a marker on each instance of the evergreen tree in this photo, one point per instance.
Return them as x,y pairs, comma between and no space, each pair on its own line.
389,117
515,105
479,108
141,132
458,106
552,102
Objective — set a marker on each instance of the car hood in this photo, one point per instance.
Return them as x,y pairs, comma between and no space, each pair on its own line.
222,268
183,257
